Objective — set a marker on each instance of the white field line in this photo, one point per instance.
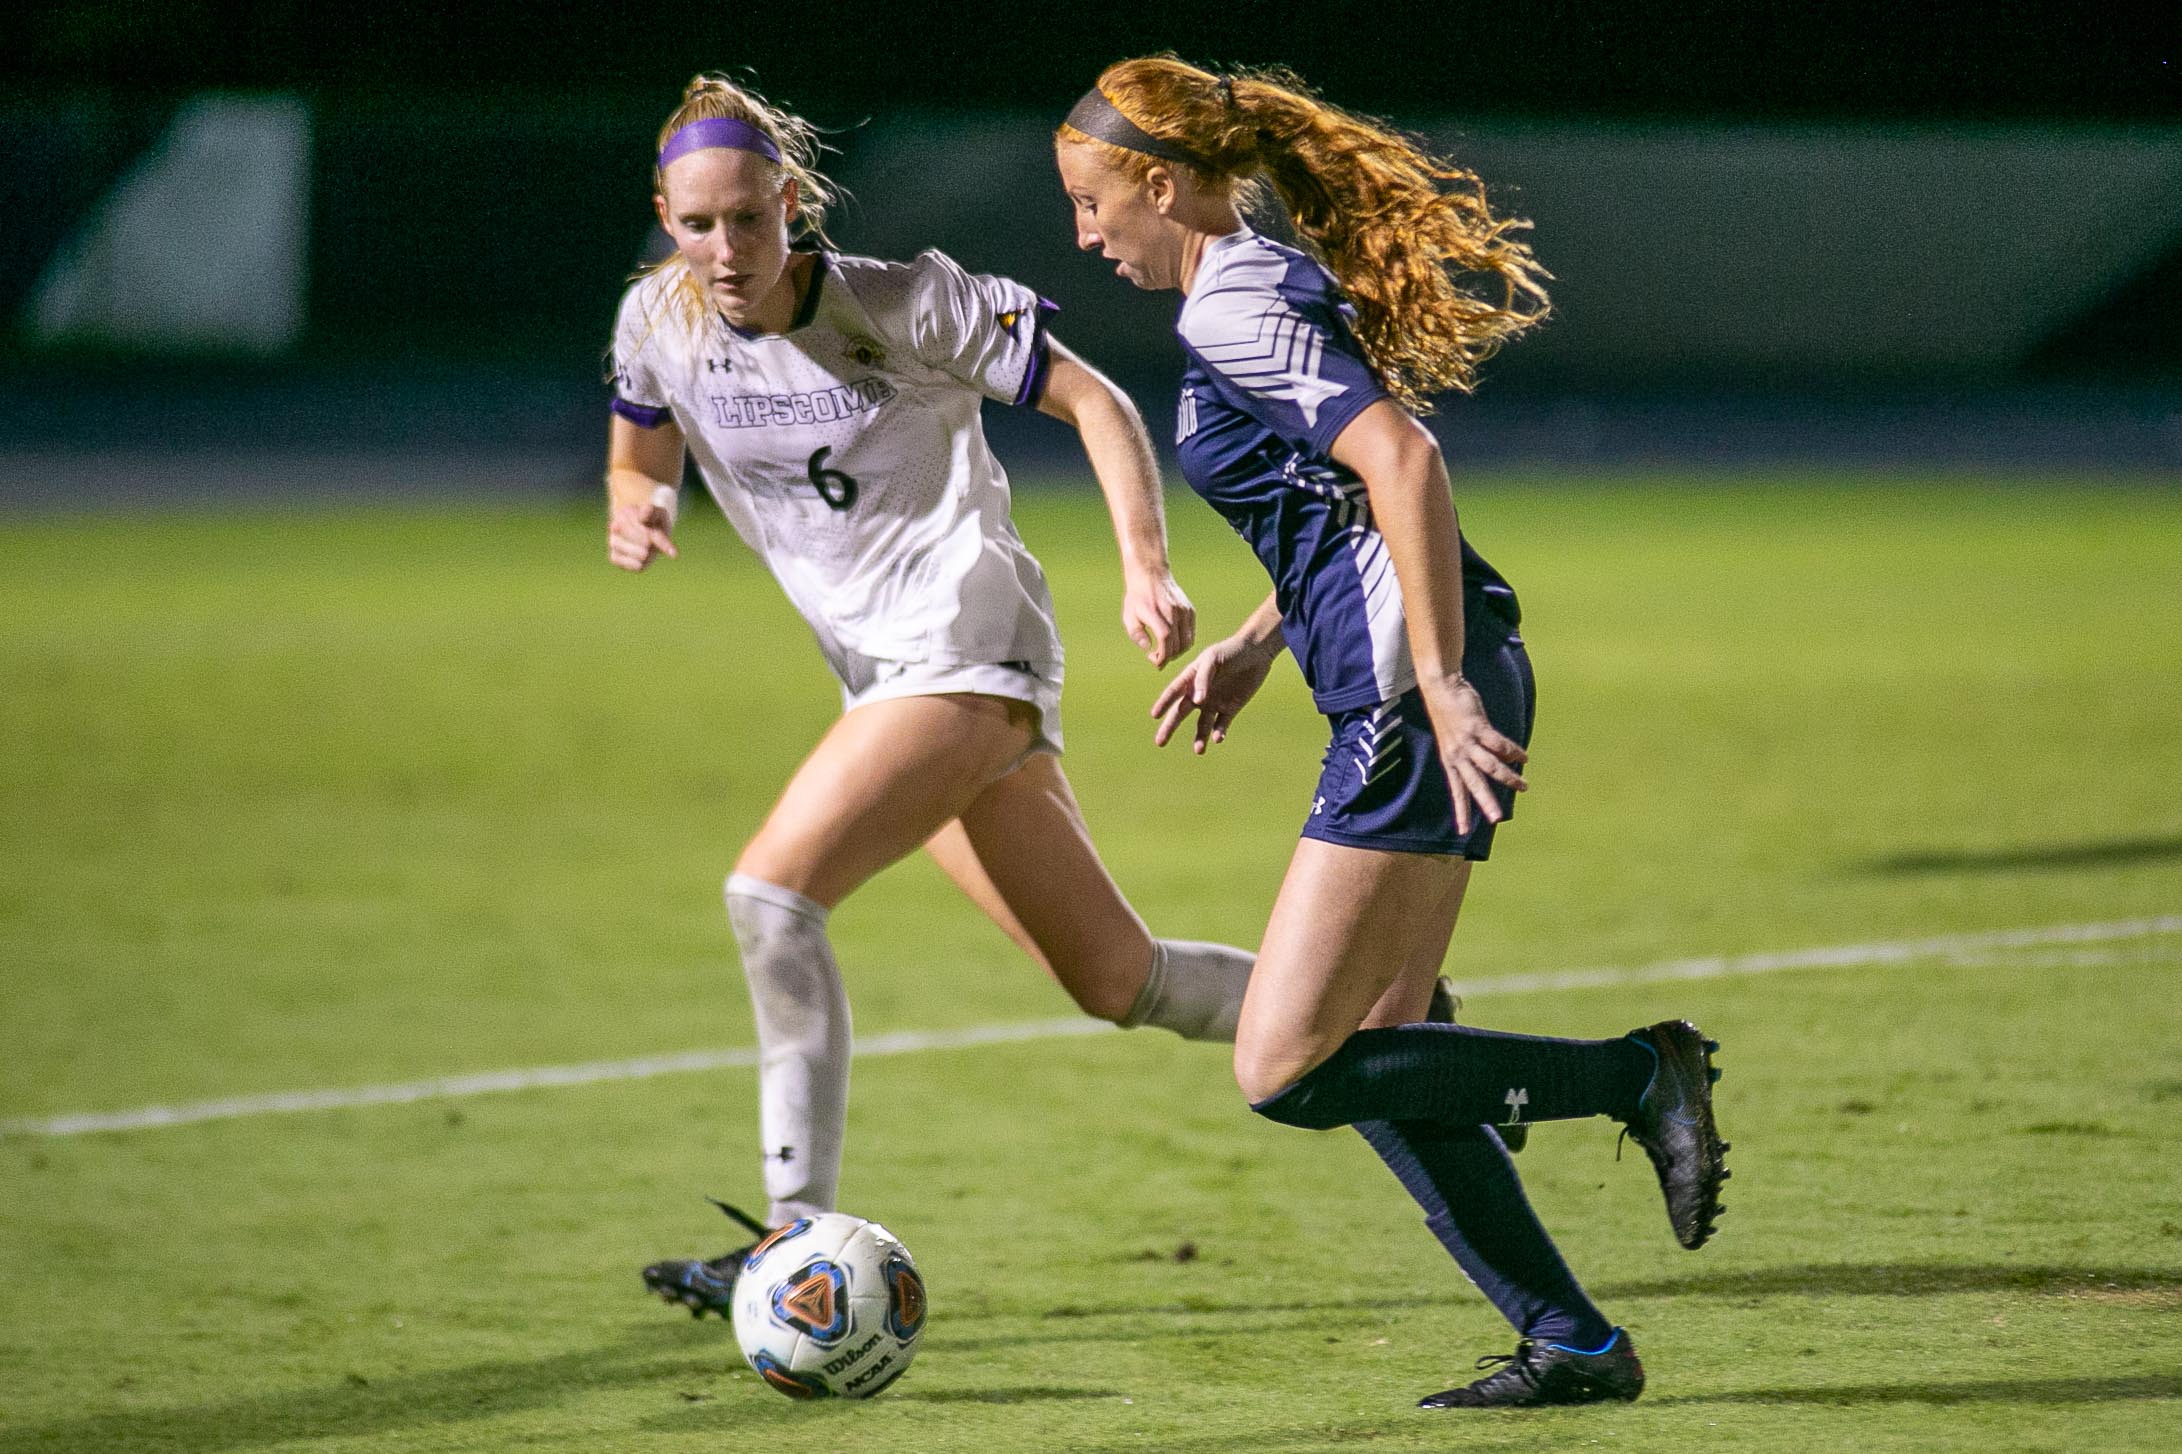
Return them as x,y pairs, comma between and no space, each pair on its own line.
1951,947
1837,956
487,1082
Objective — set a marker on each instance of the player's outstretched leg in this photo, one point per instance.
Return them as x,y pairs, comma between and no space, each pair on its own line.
1537,1374
707,1285
1463,1076
1674,1124
1023,854
1656,1081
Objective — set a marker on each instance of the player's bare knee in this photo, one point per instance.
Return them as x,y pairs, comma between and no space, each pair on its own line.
1262,1071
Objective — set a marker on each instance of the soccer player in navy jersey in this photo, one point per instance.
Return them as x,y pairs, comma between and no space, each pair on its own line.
1304,374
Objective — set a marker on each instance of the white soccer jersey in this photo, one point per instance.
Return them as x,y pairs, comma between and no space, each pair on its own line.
849,453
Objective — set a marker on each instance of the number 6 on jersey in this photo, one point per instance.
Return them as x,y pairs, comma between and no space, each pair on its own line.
836,487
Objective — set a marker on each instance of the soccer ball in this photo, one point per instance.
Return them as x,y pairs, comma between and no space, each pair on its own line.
829,1307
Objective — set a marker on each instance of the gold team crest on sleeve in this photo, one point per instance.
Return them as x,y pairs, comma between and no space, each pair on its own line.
865,351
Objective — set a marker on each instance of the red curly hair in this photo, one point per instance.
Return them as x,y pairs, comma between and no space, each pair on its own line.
1400,229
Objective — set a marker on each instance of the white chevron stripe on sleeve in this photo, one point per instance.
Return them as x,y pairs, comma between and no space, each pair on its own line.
1241,326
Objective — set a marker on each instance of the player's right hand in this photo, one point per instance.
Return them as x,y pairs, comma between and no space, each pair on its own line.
637,534
1475,754
1216,686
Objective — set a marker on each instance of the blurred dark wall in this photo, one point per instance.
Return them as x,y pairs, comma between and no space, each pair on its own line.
461,228
1721,60
477,184
1748,208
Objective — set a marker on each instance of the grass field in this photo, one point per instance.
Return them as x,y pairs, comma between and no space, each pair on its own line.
305,801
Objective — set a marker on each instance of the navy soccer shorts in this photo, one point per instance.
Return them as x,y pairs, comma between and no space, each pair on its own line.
1382,785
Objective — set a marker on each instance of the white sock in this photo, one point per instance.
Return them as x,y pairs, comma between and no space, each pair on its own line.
1194,989
802,1013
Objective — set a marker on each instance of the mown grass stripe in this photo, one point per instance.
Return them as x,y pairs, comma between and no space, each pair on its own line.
910,1042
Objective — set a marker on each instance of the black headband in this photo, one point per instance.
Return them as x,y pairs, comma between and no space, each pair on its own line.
1099,119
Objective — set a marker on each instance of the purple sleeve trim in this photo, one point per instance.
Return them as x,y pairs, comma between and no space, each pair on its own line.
643,416
1041,356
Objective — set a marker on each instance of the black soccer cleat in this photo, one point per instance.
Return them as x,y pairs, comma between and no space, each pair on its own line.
702,1287
705,1286
1539,1374
1674,1125
1446,1004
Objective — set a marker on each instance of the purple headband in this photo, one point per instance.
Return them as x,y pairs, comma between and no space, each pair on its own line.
717,131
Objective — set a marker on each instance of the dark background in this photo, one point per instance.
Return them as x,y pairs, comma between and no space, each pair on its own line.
479,189
1746,61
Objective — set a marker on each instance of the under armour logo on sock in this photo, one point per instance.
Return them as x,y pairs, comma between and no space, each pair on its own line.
1517,1099
785,1155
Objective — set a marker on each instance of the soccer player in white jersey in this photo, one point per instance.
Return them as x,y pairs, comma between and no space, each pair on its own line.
832,404
1305,371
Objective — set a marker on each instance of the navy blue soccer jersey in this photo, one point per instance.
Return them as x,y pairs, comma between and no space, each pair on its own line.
1274,375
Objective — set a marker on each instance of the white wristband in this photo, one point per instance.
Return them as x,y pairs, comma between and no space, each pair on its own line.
669,499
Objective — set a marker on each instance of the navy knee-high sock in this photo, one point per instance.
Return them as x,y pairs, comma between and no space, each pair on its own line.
1474,1203
1464,1077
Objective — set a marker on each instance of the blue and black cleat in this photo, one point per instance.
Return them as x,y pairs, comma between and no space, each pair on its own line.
1538,1375
1674,1124
706,1286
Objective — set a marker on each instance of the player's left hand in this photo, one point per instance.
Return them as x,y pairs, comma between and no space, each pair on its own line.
1216,686
1474,752
1157,616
